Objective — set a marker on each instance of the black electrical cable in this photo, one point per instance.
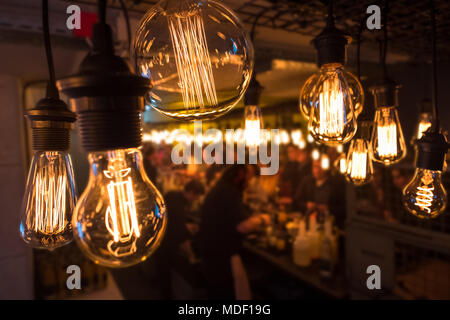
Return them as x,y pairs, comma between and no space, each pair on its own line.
102,11
385,39
358,50
52,91
434,66
127,22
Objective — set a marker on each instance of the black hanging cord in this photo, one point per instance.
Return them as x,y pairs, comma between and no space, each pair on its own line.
330,18
385,40
358,50
127,21
52,91
102,11
434,67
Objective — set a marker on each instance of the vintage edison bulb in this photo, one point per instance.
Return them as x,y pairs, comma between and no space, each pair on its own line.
425,122
359,163
388,144
120,218
332,119
340,164
253,126
425,196
197,55
354,86
49,201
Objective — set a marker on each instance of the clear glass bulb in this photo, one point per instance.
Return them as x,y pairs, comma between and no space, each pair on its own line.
354,86
425,121
425,196
359,163
340,164
253,126
388,144
49,200
120,218
197,55
332,118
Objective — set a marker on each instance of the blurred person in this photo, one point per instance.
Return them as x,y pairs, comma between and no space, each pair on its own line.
223,225
255,195
150,162
176,240
297,167
319,192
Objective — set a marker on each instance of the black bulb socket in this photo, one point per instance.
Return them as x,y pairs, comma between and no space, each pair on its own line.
431,150
385,94
330,45
107,98
253,93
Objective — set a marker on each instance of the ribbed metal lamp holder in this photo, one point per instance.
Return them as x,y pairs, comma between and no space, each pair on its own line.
107,98
51,122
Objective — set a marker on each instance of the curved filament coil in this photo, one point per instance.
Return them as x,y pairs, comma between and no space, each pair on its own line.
424,198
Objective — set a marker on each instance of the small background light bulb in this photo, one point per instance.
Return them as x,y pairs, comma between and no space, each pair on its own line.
359,163
253,126
387,141
197,55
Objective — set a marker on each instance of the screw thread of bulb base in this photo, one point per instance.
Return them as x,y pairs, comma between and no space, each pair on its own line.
103,130
51,139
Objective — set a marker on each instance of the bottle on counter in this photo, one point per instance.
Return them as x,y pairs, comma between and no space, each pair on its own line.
314,237
302,247
327,251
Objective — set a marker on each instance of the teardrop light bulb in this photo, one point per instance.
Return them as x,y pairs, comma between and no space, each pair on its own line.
354,86
253,126
332,119
388,144
121,217
425,196
197,55
359,163
49,200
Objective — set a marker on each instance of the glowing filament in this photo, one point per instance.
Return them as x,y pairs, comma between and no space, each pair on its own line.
423,126
358,166
50,207
252,133
121,218
193,61
424,198
332,113
387,140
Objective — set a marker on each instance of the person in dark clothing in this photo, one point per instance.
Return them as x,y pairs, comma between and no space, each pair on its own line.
320,192
150,156
176,239
223,223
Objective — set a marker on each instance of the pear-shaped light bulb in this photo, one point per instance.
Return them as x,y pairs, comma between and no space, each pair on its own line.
425,196
332,119
354,86
120,218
